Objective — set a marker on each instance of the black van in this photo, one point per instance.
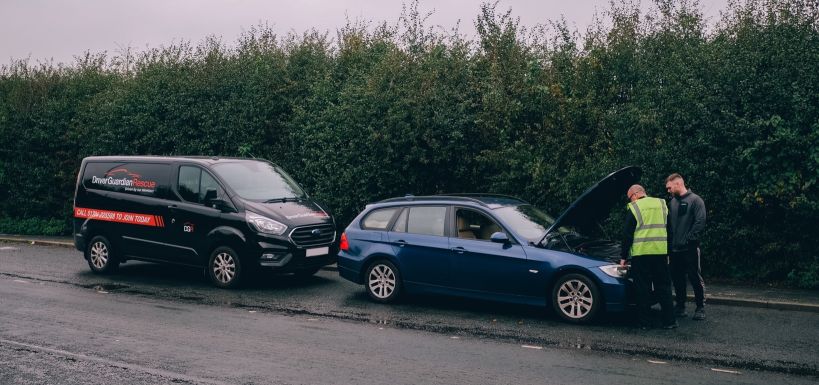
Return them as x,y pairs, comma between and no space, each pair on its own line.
229,215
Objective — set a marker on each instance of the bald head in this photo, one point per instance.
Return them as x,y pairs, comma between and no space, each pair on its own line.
636,192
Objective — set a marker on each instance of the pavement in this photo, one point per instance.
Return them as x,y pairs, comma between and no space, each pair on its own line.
716,293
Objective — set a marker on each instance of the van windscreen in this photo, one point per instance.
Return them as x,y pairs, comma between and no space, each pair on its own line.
258,181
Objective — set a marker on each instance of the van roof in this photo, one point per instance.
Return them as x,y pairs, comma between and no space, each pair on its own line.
156,158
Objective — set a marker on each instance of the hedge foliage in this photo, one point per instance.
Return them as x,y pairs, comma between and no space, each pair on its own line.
379,111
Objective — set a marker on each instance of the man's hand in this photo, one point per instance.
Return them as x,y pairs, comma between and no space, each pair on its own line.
623,262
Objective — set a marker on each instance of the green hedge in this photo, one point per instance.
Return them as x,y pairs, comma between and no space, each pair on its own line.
375,112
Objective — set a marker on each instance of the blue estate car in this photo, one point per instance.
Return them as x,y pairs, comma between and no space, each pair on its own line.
491,247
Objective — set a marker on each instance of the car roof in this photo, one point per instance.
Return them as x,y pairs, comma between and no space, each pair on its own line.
490,201
156,158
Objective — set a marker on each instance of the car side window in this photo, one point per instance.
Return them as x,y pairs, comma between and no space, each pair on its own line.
474,225
194,183
379,219
401,223
426,220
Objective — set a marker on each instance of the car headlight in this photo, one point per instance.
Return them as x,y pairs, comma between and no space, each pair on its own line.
615,271
264,224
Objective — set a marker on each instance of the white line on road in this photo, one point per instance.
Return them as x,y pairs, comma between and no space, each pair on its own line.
657,362
20,281
725,371
532,347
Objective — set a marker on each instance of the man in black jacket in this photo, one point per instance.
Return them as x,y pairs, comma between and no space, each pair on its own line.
686,221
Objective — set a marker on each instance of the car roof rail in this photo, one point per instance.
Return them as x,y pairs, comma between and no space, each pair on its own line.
489,195
410,198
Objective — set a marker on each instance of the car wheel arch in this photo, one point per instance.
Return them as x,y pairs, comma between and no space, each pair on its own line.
370,260
573,269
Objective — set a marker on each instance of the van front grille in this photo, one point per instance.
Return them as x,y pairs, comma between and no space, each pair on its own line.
306,235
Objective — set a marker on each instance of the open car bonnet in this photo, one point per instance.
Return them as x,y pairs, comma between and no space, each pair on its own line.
596,202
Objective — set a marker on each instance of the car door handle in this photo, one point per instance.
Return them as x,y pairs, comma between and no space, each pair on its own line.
401,243
459,249
172,207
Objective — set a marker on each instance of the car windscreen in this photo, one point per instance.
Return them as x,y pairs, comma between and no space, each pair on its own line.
258,181
526,220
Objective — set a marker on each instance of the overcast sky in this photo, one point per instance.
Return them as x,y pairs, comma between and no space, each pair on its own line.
61,29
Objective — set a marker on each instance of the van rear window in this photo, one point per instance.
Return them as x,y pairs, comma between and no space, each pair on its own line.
148,179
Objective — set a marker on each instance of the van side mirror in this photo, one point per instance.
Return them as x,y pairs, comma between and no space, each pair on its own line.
499,237
210,195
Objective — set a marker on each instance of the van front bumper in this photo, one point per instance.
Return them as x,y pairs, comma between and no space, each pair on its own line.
286,257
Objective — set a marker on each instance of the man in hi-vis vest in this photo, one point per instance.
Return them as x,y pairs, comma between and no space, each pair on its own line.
645,240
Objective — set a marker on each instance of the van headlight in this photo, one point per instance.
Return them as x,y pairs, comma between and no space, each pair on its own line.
264,224
615,271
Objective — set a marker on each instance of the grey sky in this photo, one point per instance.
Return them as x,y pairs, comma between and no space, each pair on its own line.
60,29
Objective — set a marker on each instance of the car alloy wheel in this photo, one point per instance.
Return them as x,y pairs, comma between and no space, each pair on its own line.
383,281
575,298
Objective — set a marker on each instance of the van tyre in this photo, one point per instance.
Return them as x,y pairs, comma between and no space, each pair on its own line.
225,268
383,282
576,298
100,256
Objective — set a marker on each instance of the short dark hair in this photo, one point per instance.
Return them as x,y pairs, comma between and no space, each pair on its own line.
673,176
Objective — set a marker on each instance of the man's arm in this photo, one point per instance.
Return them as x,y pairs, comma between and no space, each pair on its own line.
628,235
698,226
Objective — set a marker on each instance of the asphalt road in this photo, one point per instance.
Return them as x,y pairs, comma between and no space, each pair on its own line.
155,324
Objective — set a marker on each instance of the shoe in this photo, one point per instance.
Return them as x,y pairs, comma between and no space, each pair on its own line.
680,312
699,314
671,326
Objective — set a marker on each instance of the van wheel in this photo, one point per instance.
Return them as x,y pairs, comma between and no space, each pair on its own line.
100,256
225,268
383,282
576,299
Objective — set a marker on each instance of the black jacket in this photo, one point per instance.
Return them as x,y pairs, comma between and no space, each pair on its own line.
686,221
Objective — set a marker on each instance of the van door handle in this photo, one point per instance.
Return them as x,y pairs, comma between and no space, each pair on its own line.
459,249
172,207
401,243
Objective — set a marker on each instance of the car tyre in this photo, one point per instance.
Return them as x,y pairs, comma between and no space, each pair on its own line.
576,298
100,256
225,268
383,282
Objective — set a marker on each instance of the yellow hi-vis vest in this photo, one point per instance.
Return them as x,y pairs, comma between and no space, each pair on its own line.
650,236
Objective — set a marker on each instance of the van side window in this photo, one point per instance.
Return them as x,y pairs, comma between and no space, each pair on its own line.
194,183
426,220
147,179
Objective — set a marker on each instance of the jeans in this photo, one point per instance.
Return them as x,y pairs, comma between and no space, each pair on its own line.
687,263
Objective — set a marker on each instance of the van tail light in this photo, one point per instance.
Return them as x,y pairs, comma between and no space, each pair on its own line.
344,246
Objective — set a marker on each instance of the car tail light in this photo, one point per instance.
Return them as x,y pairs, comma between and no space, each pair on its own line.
344,246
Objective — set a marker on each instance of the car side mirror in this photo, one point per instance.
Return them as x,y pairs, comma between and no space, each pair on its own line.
499,237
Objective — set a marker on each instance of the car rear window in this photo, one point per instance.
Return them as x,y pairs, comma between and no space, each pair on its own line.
379,219
148,179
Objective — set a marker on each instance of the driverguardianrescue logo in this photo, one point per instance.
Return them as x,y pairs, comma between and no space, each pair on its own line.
128,180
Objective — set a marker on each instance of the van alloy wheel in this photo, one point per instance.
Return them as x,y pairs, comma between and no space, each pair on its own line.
99,254
224,267
381,281
575,299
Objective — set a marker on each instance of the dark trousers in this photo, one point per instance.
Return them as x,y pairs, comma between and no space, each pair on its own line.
687,263
647,270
